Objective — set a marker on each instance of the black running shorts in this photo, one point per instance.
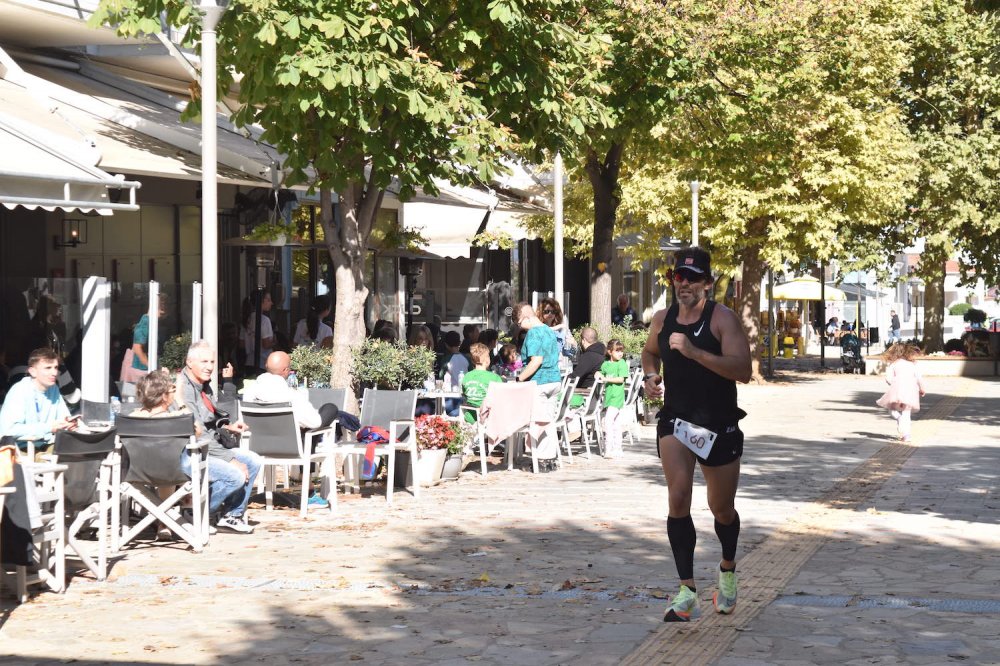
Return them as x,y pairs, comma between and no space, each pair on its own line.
727,448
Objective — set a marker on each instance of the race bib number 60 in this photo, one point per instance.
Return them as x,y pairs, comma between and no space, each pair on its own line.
696,438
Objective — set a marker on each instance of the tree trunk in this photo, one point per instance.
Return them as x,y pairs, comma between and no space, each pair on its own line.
748,301
603,176
934,311
346,243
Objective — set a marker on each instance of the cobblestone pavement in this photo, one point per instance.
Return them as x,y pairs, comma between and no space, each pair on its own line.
854,550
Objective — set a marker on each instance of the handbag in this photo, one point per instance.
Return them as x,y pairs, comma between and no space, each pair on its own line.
128,374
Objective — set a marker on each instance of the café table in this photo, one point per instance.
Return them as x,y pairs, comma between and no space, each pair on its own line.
438,396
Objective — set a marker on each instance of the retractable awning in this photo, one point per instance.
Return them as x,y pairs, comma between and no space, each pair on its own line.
448,229
41,170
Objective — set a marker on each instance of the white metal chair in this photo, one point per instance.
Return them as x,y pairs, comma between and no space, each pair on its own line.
148,456
563,417
631,407
393,411
276,437
589,415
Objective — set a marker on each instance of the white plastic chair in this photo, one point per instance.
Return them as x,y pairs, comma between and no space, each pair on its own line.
276,437
563,417
631,407
393,411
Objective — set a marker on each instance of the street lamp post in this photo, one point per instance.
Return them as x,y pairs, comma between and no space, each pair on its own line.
557,232
694,211
211,11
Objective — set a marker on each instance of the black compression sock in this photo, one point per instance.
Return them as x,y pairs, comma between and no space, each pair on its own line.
729,536
683,538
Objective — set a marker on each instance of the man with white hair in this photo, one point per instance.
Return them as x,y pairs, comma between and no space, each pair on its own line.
230,484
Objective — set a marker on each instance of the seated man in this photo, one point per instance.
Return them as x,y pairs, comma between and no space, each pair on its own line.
589,362
34,410
230,483
272,387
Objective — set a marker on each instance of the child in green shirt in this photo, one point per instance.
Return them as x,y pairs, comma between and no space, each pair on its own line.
614,373
477,381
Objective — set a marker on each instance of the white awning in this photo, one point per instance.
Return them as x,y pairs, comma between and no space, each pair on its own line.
448,229
511,223
132,129
41,170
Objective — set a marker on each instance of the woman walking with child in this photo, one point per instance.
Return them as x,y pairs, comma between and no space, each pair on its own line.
906,386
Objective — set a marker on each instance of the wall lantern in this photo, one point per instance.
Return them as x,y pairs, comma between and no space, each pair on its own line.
74,233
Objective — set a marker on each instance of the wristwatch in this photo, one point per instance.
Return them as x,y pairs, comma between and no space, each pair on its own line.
649,374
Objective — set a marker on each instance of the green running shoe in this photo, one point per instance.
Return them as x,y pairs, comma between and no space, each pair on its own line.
683,607
725,597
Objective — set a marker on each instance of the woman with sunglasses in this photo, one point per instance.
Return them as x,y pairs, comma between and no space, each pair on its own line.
551,314
702,351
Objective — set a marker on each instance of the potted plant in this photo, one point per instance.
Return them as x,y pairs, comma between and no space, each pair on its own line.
493,240
650,408
455,461
312,366
273,234
434,435
385,365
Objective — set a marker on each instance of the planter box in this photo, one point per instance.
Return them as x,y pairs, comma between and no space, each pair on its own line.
428,467
940,366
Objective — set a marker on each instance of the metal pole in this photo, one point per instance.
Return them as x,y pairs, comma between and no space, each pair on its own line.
694,211
209,193
152,357
770,323
195,311
822,316
557,234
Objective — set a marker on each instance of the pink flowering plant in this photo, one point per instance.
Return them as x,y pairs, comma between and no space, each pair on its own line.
436,432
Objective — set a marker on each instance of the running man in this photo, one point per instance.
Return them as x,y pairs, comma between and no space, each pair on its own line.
703,352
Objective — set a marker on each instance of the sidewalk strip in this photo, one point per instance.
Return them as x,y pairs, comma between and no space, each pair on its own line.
769,567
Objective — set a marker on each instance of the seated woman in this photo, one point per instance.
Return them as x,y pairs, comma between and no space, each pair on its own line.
312,331
155,392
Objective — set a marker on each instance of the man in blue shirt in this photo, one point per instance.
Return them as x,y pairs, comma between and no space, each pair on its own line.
33,409
540,352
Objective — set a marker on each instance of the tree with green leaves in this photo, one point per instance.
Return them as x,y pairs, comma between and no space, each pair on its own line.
952,97
792,128
365,96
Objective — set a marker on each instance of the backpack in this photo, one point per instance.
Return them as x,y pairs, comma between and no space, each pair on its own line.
372,436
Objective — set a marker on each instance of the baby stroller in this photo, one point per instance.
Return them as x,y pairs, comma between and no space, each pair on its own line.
850,354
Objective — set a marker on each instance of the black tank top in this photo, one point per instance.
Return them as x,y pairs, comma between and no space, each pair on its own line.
690,390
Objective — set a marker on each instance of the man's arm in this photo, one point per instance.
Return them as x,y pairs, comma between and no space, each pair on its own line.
305,414
734,361
652,364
